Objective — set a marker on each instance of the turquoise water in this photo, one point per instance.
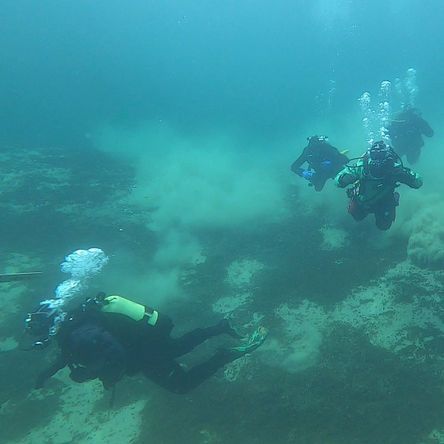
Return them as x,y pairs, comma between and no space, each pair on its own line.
163,133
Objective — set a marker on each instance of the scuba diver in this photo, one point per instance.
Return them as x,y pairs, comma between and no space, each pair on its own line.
374,178
324,162
108,337
406,131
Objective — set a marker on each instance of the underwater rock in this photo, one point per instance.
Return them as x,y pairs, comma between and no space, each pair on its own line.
86,424
229,304
426,243
233,370
333,238
298,348
422,224
240,273
400,312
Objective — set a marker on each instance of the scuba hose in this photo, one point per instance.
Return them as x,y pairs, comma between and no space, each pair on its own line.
355,189
392,154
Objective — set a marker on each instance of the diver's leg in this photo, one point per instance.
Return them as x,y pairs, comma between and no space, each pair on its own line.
385,213
318,181
356,210
167,373
173,377
187,342
413,155
202,372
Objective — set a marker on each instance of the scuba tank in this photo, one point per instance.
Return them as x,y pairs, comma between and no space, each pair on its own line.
119,305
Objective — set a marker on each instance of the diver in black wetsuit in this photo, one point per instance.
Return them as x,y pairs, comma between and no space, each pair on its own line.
406,131
324,162
110,337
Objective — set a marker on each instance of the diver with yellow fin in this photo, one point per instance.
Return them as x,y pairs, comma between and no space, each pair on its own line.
108,337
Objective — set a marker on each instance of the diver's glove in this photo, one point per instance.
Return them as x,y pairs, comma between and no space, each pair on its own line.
307,174
300,172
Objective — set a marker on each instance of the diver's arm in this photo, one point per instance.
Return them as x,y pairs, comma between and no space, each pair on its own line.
410,178
296,165
60,363
346,176
82,374
343,157
425,128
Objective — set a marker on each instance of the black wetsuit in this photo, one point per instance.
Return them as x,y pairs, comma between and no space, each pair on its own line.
406,132
323,158
108,346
